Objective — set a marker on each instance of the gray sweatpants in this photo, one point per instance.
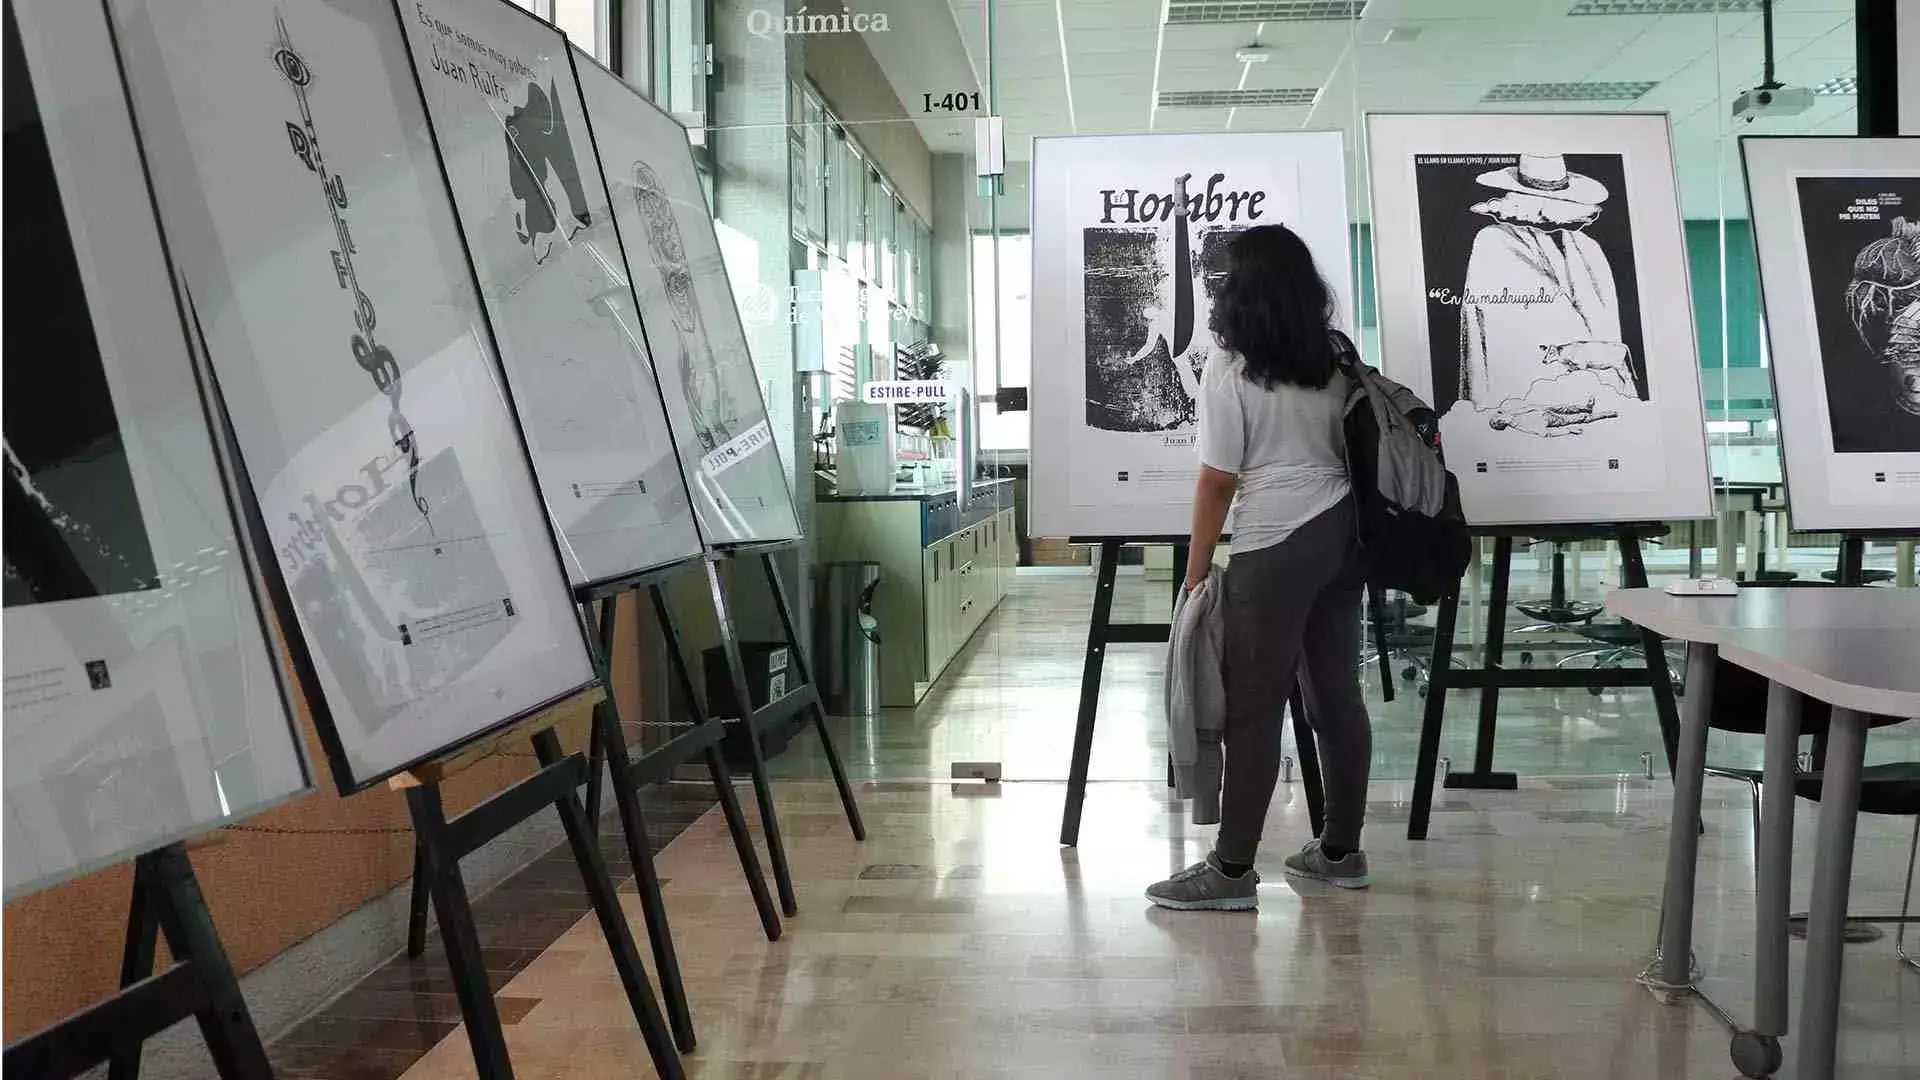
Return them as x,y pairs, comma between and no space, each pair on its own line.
1293,610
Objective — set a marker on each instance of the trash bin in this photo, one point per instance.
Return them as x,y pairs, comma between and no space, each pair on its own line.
849,638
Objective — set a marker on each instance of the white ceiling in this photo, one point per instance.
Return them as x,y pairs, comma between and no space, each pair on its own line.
1093,66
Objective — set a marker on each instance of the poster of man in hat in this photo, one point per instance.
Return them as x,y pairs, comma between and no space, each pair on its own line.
1532,288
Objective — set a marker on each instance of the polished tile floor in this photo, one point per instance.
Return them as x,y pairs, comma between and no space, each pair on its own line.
960,942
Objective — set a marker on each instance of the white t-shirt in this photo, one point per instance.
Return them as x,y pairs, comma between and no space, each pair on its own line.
1285,444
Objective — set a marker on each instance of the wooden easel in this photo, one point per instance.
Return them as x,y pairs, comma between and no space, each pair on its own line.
1102,632
200,983
1492,675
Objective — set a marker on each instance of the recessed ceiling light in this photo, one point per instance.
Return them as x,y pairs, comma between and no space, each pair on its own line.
1661,7
1238,99
1839,86
1569,91
1254,11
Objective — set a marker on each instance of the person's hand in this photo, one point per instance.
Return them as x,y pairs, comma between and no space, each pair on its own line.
1187,586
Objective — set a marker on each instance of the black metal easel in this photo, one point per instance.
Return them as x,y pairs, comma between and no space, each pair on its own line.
443,841
1102,632
200,983
1492,675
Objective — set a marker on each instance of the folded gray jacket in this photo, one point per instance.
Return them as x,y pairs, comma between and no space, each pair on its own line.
1196,696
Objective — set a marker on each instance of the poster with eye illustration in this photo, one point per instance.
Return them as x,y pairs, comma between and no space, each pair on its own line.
507,114
328,287
719,418
1528,269
1123,298
144,700
1836,224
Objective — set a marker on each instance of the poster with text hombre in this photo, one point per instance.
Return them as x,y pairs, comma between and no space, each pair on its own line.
144,702
506,110
1836,224
713,400
324,272
1122,294
1532,285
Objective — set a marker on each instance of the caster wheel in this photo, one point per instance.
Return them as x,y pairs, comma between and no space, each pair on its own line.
1526,659
1755,1055
1409,673
1421,690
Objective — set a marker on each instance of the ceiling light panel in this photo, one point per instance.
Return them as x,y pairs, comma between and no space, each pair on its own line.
1239,99
1839,86
1661,7
1190,12
1569,91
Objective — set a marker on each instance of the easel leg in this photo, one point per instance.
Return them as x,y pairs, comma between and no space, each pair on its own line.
1309,751
1436,706
1180,552
136,962
613,920
633,823
418,898
441,871
762,790
1659,678
717,770
1492,660
1853,558
1090,692
225,1023
799,661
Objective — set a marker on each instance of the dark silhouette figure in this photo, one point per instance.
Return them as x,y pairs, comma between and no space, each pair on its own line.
536,142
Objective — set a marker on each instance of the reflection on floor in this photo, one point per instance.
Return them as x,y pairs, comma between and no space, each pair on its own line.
1012,696
960,943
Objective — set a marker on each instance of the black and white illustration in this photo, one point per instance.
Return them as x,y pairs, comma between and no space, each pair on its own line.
323,262
137,655
693,329
1149,290
1532,294
1863,260
1131,234
1516,258
73,524
506,109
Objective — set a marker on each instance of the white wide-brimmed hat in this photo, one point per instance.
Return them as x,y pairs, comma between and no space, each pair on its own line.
1546,175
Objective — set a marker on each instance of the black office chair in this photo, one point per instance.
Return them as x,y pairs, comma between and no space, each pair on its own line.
1739,706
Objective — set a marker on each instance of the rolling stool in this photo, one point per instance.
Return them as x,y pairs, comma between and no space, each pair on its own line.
1867,577
1391,634
1556,612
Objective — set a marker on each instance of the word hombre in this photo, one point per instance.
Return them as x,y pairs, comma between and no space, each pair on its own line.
1208,205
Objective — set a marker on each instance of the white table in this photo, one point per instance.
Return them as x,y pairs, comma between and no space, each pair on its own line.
1858,650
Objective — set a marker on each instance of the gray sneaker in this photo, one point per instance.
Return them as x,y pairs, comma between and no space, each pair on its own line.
1205,887
1348,873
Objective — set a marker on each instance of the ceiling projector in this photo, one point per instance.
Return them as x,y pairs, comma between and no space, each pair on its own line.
1770,102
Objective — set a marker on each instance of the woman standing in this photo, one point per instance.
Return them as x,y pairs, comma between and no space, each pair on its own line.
1271,409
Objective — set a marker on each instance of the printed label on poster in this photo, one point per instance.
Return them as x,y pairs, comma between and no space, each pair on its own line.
738,449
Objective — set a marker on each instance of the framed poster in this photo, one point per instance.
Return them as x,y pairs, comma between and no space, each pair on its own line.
1122,294
507,115
714,405
1836,225
1532,284
325,277
143,700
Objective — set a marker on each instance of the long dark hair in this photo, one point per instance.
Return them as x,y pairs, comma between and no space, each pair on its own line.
1275,310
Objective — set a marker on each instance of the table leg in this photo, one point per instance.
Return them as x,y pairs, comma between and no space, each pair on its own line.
1903,564
1724,554
1683,839
1750,528
1693,549
1827,921
1775,852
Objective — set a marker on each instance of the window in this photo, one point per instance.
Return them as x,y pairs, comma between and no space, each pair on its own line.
680,59
585,23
